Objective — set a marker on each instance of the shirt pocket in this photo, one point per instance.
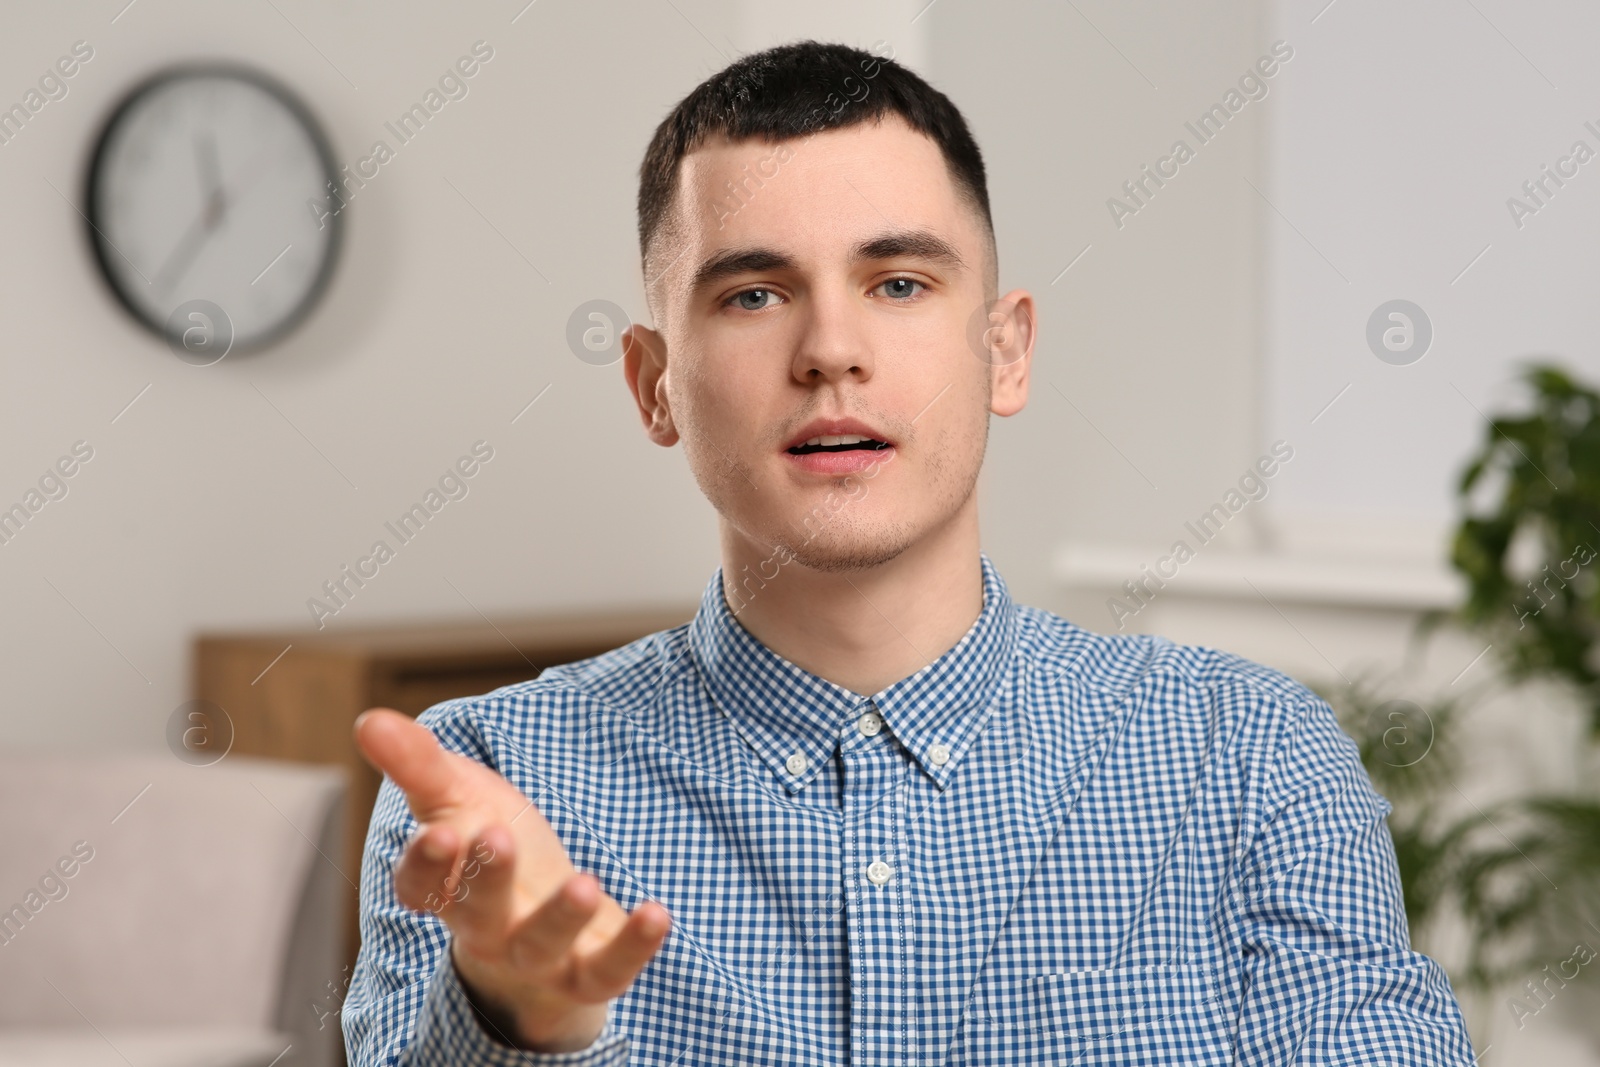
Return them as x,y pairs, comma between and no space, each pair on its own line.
1096,1004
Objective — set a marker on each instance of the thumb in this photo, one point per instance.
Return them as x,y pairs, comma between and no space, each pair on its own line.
408,753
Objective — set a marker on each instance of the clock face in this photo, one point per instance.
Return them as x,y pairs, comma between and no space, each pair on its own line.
208,205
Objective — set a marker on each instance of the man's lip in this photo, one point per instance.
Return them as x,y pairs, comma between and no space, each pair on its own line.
834,464
835,428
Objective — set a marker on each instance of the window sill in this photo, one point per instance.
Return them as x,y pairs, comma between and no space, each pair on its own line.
1396,582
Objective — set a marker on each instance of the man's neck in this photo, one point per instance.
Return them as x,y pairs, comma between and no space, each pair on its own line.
867,629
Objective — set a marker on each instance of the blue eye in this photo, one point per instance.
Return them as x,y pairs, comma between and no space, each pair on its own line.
746,305
899,297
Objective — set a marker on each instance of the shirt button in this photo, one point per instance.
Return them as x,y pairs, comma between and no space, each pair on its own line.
879,872
870,723
797,763
939,754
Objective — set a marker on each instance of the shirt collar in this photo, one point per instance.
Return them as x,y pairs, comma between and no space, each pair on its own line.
784,711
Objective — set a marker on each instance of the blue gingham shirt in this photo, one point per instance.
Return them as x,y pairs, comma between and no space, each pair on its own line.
1047,846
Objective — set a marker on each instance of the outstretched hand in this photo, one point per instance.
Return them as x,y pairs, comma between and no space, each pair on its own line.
540,947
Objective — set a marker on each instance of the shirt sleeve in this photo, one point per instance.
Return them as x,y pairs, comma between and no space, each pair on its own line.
406,1005
1330,977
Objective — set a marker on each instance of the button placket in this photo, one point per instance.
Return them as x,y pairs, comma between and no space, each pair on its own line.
879,913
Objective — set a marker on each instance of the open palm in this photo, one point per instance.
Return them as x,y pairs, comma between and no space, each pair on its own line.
539,946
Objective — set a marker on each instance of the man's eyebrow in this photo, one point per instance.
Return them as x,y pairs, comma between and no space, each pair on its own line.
894,244
910,244
731,262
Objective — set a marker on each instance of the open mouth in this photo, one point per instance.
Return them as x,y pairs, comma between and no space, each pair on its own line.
842,443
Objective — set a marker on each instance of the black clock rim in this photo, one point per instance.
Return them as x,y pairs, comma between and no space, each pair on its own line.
101,247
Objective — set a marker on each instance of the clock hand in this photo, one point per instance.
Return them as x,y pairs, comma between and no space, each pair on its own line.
205,148
189,244
194,237
182,256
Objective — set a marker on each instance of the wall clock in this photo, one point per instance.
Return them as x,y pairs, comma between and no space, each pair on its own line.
206,203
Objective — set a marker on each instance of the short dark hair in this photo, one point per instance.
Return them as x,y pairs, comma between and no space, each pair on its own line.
795,90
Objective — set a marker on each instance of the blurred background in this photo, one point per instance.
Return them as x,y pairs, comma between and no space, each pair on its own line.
1369,272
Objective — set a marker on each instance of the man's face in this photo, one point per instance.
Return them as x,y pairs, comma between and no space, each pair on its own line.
840,284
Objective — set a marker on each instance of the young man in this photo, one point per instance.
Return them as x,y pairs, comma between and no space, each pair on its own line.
864,808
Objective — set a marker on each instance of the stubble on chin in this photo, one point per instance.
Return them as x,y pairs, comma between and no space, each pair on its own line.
851,550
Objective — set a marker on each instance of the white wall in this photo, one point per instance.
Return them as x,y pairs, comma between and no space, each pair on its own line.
1145,391
1398,139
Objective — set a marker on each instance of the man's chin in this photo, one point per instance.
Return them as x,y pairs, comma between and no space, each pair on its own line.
849,554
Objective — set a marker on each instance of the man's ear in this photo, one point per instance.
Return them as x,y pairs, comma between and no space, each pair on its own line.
644,364
1010,347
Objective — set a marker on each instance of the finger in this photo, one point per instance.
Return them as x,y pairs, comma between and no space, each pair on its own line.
409,754
425,866
542,940
609,971
481,896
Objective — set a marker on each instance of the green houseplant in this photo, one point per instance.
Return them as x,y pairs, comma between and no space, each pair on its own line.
1525,872
1527,547
1535,485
